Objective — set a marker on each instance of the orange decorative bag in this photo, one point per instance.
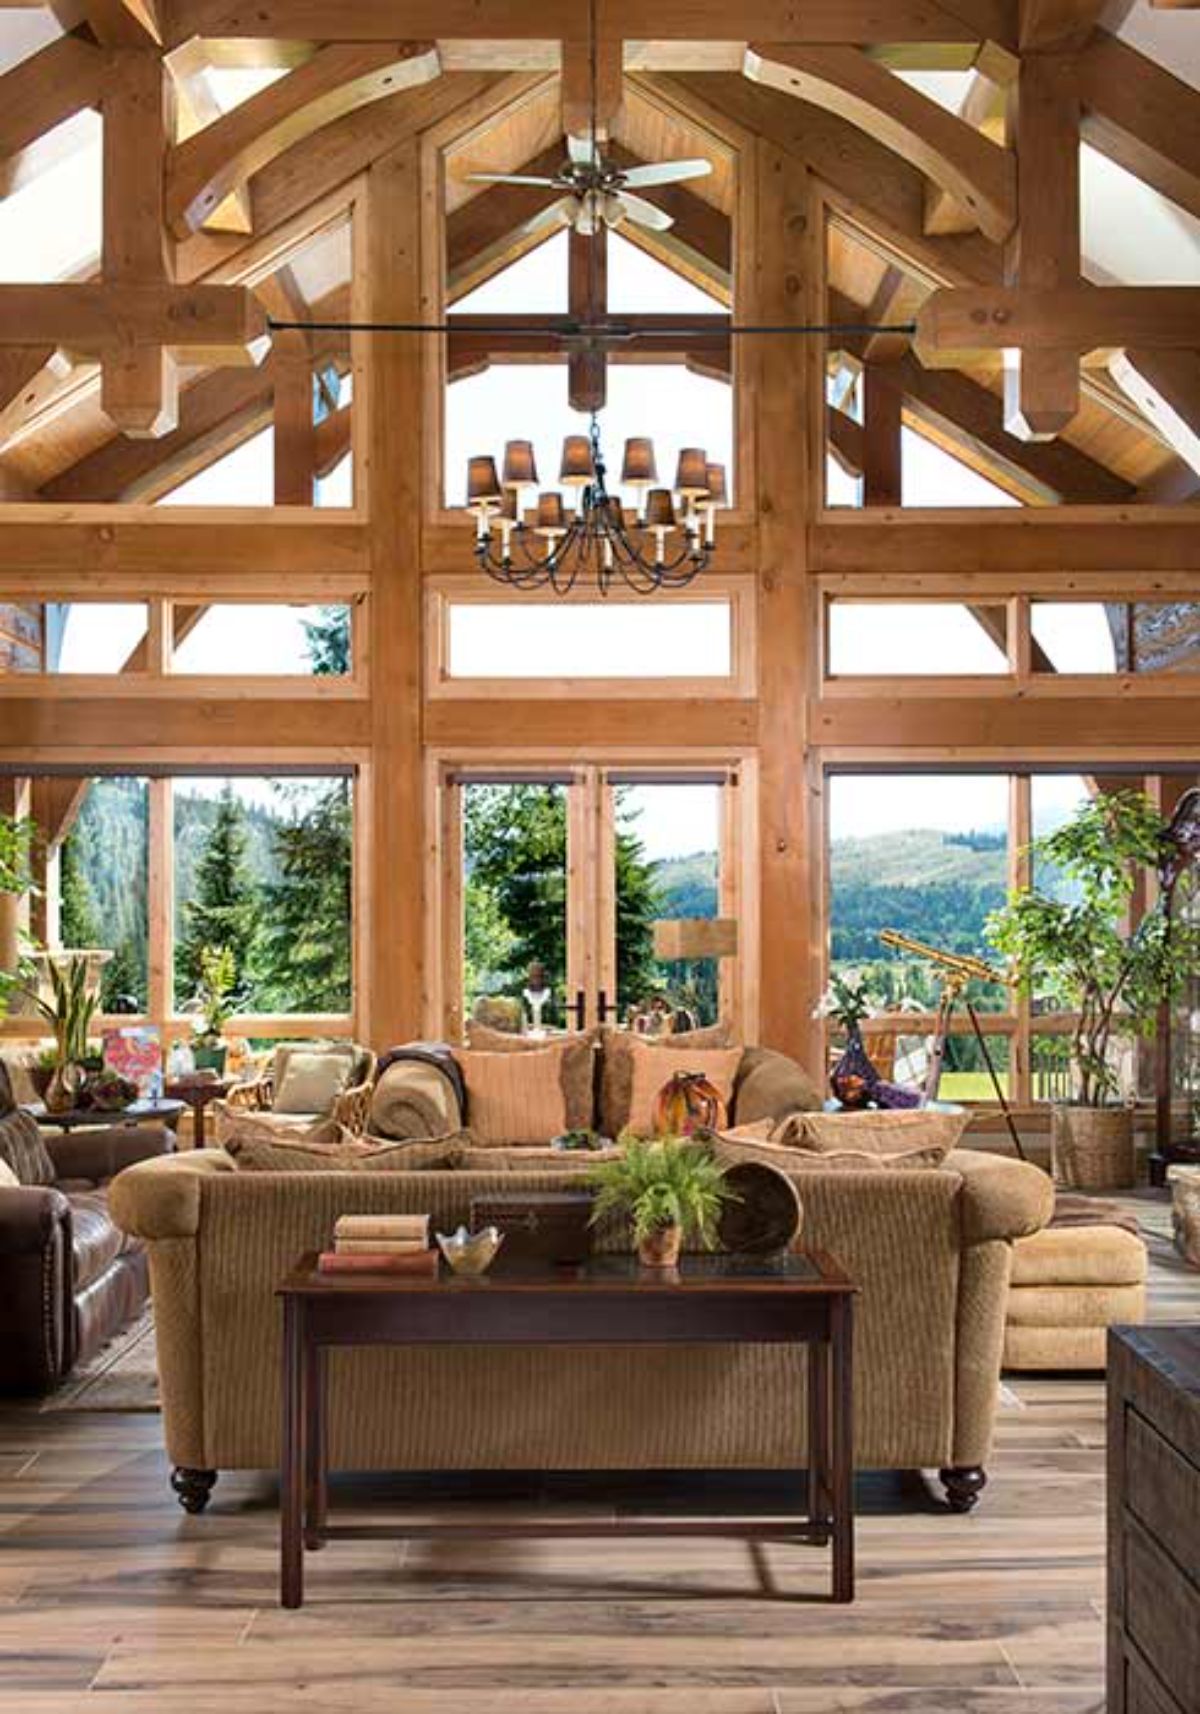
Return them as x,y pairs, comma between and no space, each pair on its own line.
688,1102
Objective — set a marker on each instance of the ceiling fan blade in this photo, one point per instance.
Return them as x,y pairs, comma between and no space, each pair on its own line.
613,210
666,172
513,178
645,213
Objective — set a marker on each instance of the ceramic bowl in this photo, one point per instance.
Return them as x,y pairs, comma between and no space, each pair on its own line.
470,1253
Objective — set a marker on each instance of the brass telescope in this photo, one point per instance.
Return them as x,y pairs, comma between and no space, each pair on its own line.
959,966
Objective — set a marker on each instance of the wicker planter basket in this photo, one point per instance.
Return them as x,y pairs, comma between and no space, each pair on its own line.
1091,1148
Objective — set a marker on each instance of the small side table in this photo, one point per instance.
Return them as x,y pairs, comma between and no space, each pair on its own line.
107,1118
198,1093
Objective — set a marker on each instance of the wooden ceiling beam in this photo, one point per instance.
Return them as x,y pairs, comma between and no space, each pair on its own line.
213,163
985,109
962,161
46,89
1056,24
44,547
954,325
124,23
1057,542
1165,387
333,440
1041,388
580,91
1139,115
212,324
825,21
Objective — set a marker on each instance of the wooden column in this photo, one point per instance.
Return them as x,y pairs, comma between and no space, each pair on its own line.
1041,388
139,387
587,282
295,433
160,909
388,370
881,436
787,395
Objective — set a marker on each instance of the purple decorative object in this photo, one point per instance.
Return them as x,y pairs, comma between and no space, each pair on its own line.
896,1095
854,1079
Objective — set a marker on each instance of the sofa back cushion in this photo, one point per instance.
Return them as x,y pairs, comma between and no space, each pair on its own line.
770,1085
879,1133
22,1146
311,1080
616,1074
655,1066
527,1098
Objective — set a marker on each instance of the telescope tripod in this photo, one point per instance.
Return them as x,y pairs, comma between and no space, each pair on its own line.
952,995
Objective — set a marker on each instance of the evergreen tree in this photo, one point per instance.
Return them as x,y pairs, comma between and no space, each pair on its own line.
225,908
328,641
123,982
78,925
304,952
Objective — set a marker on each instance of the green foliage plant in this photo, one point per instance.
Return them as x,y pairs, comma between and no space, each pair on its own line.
214,992
17,836
660,1182
68,1010
1080,952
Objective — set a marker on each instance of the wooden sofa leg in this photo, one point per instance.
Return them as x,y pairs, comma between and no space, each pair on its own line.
963,1485
193,1488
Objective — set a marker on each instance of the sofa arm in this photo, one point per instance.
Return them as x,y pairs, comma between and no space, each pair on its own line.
1002,1198
160,1198
101,1155
36,1325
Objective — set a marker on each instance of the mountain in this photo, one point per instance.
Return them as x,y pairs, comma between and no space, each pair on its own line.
937,887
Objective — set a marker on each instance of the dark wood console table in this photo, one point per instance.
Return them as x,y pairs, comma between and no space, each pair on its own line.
802,1299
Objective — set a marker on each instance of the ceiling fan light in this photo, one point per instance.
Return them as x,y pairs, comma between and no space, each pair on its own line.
577,469
691,473
520,465
639,468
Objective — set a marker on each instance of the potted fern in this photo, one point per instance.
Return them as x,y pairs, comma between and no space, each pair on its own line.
215,1004
1077,949
668,1190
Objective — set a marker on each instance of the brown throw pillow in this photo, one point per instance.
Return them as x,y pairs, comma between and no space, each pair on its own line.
22,1146
879,1133
578,1065
769,1085
654,1067
522,1098
616,1075
312,1082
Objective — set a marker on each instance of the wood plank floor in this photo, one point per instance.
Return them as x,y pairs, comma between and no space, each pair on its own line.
113,1602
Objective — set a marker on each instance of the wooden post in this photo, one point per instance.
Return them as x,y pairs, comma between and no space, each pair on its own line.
160,909
787,393
387,276
295,433
881,468
139,387
1041,388
587,284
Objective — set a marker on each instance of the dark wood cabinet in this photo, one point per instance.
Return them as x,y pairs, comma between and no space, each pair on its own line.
1154,1520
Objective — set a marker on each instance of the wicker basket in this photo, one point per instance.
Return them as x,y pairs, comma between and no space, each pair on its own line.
1091,1148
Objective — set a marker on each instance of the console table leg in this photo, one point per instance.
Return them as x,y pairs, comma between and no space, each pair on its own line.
842,1312
291,1498
315,1479
818,1431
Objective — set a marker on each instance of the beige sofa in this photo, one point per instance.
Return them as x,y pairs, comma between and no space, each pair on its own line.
930,1251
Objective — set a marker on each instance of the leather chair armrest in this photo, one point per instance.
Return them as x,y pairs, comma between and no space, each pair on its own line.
36,1310
1002,1198
102,1154
28,1215
161,1198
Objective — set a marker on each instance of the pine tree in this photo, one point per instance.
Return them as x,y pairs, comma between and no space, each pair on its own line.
225,908
327,639
78,923
123,983
304,952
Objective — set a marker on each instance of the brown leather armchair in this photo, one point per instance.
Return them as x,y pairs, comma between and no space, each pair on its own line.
69,1277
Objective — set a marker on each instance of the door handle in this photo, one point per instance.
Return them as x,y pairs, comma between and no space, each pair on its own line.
579,1007
602,1007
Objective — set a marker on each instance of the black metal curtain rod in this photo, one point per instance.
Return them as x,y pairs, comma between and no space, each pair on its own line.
588,330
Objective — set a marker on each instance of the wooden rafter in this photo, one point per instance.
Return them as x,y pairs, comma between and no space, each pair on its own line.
583,84
1056,24
984,108
1139,115
954,324
1166,389
215,162
46,89
962,161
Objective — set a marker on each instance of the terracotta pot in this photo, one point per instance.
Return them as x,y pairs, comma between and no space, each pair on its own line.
1091,1148
63,1090
661,1248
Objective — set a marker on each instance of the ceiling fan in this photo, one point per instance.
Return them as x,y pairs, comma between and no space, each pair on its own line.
602,191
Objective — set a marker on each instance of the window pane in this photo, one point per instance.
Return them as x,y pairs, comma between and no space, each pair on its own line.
71,636
536,283
245,637
103,882
263,868
243,477
611,639
927,855
1119,636
638,283
667,866
514,903
529,401
915,637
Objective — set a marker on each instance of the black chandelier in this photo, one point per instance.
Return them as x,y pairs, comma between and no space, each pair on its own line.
662,543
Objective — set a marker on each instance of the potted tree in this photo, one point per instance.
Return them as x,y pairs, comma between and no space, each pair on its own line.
67,1002
1078,948
668,1189
215,1004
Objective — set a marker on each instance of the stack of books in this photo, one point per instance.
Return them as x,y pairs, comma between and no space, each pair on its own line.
380,1244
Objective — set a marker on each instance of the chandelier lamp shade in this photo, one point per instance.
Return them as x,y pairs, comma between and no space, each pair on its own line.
531,538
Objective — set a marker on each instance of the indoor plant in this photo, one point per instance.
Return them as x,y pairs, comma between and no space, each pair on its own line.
214,1002
668,1189
854,1077
1083,955
68,1006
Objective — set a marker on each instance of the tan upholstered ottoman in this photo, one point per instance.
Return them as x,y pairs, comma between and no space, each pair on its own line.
1069,1285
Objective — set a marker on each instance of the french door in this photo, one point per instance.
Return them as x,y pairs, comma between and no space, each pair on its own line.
580,893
